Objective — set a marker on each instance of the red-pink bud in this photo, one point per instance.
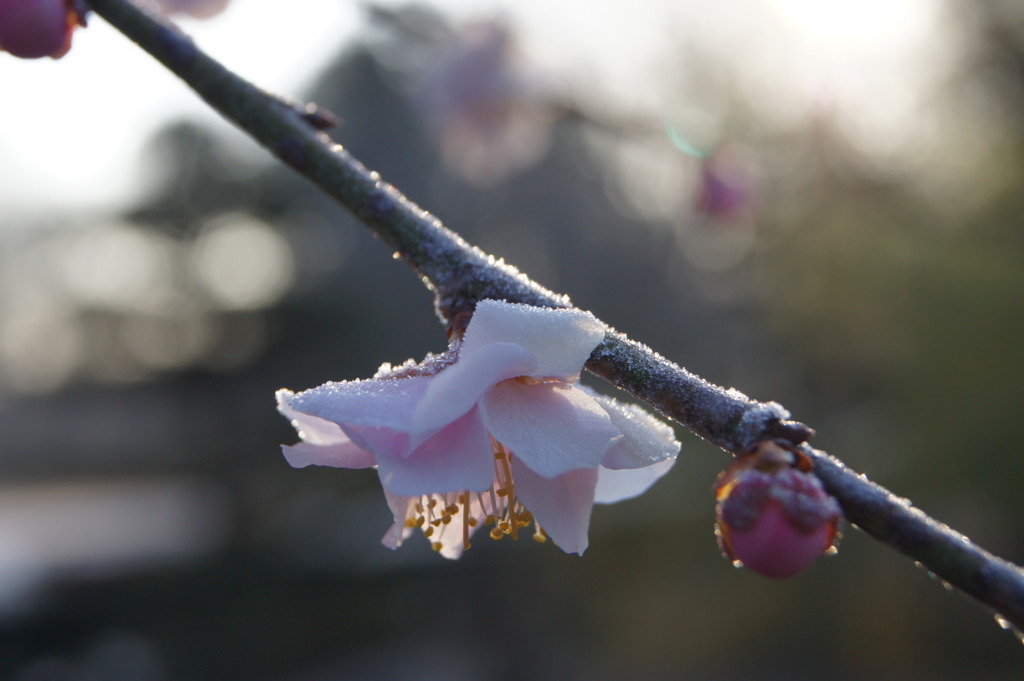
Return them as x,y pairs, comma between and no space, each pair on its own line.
774,516
31,29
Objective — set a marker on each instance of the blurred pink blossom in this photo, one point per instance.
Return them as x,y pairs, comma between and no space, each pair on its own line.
490,114
728,189
495,432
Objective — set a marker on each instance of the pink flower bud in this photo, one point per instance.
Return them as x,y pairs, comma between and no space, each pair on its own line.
774,516
31,29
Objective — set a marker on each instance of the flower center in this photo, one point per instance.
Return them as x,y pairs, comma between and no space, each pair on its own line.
498,507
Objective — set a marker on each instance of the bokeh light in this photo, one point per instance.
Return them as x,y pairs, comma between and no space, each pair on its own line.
242,263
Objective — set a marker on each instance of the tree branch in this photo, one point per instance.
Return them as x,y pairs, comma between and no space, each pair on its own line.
461,274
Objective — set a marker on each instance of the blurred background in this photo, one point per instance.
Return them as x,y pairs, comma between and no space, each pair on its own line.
817,202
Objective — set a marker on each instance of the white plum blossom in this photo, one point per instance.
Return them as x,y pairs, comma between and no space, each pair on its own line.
495,432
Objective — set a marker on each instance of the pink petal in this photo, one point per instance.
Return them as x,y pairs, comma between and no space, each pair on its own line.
311,429
457,458
374,403
645,440
618,484
335,400
550,427
451,547
324,443
343,455
455,390
561,505
560,339
398,532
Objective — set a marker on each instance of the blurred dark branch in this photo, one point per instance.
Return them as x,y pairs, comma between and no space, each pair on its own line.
461,274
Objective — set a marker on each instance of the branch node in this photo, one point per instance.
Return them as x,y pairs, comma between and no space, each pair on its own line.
768,421
793,432
318,117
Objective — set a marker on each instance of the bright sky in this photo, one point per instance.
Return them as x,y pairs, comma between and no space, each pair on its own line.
72,130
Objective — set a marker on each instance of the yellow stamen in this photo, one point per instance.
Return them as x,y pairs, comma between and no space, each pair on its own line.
464,500
498,507
494,504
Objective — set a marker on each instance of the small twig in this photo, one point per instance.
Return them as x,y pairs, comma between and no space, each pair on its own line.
461,275
943,551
